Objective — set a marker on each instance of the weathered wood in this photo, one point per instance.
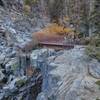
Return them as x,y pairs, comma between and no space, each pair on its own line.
56,45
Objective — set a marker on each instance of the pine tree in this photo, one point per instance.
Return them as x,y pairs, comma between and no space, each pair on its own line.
95,17
55,9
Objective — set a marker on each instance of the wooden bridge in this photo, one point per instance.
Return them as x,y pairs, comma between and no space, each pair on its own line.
54,41
56,45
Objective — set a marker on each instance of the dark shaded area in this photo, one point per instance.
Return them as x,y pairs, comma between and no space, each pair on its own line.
1,3
55,10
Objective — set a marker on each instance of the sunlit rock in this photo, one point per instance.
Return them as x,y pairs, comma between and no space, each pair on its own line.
94,69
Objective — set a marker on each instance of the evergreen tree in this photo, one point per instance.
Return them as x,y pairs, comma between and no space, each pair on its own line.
55,9
95,17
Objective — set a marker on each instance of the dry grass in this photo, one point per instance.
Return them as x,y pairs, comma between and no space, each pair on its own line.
54,31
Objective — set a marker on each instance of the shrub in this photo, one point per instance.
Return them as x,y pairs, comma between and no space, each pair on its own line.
27,10
95,41
85,41
97,99
93,49
98,82
14,67
58,29
28,5
29,2
20,83
93,52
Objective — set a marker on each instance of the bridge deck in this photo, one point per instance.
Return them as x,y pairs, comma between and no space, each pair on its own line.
56,45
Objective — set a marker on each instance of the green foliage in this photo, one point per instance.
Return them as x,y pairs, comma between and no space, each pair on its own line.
93,52
29,2
95,41
14,67
20,83
97,99
27,10
95,17
93,49
84,40
98,82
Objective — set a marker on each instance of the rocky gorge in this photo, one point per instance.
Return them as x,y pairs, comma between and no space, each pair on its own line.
42,73
70,75
15,83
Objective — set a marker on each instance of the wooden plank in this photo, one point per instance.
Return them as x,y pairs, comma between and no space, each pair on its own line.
56,45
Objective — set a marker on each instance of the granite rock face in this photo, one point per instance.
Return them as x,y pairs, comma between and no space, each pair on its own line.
70,75
2,76
15,31
61,75
94,69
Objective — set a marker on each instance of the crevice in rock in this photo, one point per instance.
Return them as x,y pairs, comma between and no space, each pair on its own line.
1,3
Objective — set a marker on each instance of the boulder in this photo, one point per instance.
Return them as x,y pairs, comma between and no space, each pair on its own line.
2,76
89,84
12,86
42,96
94,69
72,95
2,58
40,55
2,96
